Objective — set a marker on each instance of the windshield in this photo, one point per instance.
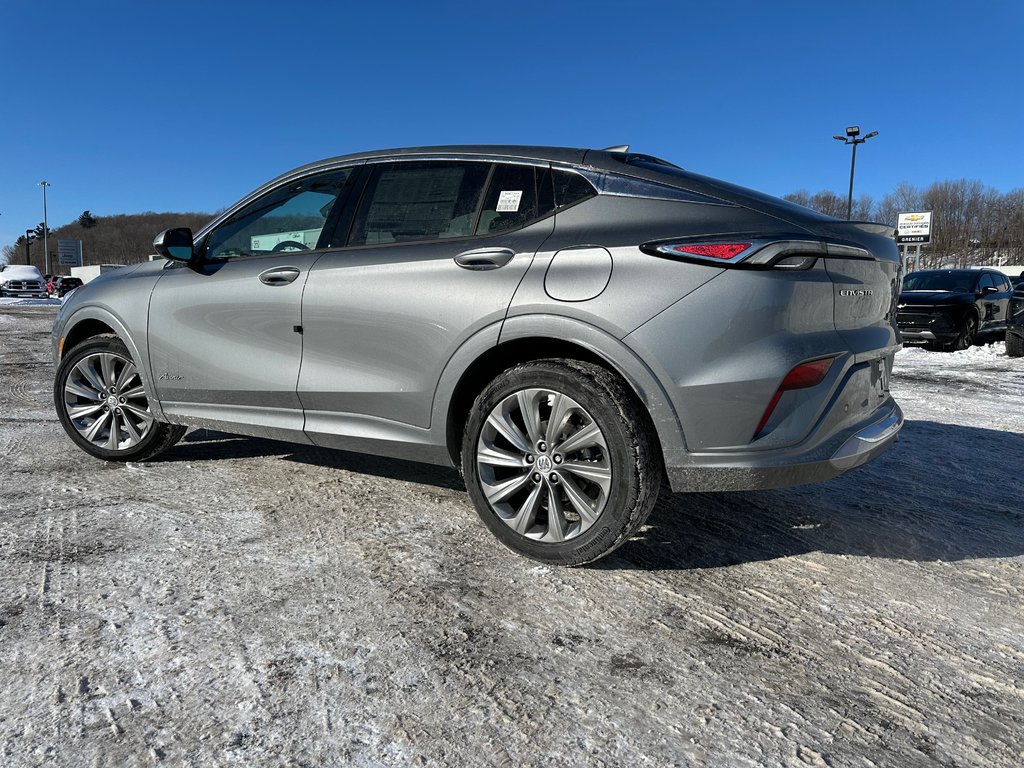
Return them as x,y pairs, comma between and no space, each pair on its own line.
947,280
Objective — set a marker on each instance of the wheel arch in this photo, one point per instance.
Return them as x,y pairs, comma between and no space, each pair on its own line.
527,338
90,322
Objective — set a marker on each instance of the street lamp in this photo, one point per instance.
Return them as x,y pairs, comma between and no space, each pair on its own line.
46,250
851,137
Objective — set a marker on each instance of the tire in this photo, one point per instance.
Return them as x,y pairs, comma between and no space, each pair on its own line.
574,480
102,405
967,333
1014,345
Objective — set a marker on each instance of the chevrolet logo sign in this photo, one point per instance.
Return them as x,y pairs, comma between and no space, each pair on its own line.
915,217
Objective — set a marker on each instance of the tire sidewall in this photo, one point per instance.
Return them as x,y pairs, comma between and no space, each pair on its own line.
574,382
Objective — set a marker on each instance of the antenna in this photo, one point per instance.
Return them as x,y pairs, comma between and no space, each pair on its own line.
617,148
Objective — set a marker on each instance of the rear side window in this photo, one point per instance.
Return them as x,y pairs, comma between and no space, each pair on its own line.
512,199
571,188
414,201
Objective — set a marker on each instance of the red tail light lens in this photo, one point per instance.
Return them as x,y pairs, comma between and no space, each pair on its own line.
713,250
807,374
800,377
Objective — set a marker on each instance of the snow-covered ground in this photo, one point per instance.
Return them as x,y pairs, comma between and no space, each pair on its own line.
246,602
12,301
980,384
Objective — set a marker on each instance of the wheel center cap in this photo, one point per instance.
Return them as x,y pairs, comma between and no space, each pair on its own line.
544,464
111,400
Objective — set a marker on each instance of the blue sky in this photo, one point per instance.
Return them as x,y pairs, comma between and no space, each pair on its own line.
181,106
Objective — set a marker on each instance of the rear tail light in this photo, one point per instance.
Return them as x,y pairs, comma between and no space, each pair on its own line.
749,254
800,377
712,250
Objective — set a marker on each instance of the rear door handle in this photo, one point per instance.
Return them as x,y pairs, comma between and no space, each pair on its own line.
279,275
485,258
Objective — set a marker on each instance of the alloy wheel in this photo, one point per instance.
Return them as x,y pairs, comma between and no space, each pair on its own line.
105,400
544,465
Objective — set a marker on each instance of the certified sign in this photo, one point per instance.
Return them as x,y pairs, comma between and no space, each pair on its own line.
914,227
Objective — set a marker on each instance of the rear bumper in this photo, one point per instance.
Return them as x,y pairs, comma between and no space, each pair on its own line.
759,470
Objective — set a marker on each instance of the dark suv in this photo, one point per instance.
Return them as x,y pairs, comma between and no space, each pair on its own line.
953,308
61,286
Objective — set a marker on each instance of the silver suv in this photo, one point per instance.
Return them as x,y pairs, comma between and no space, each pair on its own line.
570,327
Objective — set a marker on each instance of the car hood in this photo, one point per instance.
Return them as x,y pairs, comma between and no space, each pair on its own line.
931,298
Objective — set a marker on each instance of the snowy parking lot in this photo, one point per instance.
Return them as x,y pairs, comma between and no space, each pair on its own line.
247,602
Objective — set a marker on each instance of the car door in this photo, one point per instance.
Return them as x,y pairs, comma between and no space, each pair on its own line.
225,339
994,300
436,252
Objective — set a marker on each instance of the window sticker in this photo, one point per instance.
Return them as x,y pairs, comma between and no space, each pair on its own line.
508,200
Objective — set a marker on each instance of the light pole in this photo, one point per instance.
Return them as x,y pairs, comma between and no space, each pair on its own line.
851,138
46,250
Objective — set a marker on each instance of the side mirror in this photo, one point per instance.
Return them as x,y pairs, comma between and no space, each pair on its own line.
175,244
990,289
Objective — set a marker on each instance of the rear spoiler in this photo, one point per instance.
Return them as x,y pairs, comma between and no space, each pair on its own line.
871,227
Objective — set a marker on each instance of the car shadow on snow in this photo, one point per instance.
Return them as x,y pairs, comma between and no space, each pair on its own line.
210,445
943,492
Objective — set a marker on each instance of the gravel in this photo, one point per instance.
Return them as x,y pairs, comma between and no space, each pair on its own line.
249,602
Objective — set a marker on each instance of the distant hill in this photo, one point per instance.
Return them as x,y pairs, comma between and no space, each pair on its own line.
121,239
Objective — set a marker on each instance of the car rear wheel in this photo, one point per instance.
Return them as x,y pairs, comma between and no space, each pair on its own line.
102,404
1014,345
559,461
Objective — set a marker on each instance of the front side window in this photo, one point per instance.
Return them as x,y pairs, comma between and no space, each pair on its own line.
290,218
416,201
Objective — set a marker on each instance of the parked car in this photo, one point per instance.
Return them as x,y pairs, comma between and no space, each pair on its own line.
21,280
953,308
567,326
61,286
1015,323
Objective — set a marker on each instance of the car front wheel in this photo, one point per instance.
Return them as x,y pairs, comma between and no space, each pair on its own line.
560,462
967,333
103,405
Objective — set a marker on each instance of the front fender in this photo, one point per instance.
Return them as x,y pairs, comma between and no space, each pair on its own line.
140,353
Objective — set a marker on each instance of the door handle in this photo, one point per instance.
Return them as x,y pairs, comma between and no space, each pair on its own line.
485,258
279,275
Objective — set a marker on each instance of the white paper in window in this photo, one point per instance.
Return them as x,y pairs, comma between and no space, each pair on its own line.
508,200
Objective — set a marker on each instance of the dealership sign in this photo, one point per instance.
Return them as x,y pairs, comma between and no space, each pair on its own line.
69,253
914,227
